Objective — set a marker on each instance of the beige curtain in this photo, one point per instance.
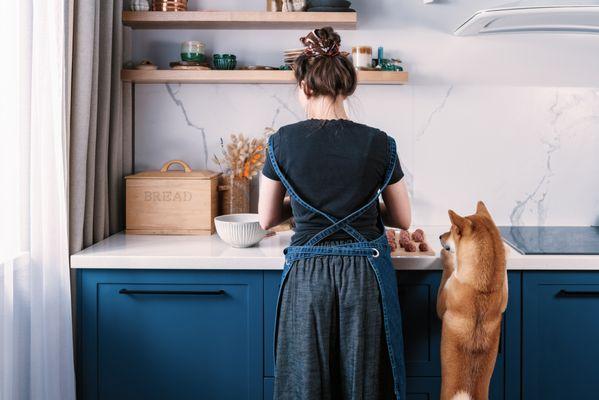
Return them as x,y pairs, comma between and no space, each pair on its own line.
100,143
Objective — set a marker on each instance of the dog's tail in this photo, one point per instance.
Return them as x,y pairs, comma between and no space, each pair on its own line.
461,395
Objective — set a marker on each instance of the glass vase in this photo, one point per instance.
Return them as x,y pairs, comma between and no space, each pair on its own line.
234,195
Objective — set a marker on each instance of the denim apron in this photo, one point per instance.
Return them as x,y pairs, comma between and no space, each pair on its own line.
378,254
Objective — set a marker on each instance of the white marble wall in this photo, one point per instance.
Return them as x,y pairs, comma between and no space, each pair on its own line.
512,120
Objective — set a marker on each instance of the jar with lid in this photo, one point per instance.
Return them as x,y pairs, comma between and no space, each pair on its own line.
362,56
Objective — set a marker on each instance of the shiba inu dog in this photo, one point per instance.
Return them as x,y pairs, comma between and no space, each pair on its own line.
471,300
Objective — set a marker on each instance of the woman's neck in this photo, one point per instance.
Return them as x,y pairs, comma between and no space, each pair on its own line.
325,107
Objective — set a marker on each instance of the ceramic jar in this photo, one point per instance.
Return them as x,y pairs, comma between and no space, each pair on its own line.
139,5
362,56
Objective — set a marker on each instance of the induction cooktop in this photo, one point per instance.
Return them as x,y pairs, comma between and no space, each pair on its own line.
552,240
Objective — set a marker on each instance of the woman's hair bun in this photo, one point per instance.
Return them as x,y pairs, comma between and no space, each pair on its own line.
328,36
322,69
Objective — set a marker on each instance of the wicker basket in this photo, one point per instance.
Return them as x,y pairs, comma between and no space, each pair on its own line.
169,5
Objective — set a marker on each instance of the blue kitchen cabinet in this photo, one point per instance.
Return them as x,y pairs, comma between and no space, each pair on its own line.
560,335
272,283
423,388
147,334
269,388
422,333
421,326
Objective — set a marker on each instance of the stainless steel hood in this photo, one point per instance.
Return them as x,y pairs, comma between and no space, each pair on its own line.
535,16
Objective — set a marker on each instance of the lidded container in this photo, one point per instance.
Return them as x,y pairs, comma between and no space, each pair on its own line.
362,56
169,202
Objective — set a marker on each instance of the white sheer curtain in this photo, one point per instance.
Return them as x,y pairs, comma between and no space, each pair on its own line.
36,347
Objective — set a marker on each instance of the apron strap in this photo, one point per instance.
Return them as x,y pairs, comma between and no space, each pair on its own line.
342,224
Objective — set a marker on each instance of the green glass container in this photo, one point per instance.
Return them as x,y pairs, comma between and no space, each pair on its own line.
198,57
224,61
192,50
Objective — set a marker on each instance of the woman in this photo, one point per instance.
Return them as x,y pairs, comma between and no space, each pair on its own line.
338,333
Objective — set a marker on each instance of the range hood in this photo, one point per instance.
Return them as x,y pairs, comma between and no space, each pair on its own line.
535,16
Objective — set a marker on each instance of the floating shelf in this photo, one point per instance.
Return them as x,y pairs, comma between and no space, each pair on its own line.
238,20
248,76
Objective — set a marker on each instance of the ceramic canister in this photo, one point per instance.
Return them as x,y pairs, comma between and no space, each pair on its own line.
139,5
362,56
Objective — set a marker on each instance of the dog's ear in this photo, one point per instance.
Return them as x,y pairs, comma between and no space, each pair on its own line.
481,209
460,222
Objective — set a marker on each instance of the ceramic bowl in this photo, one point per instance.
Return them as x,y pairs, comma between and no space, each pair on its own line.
239,230
224,61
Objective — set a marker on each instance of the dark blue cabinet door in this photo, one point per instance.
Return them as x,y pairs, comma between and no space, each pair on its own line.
560,335
421,327
423,388
422,332
272,283
269,388
172,335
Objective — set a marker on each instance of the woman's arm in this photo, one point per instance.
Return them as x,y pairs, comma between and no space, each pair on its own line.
395,209
273,207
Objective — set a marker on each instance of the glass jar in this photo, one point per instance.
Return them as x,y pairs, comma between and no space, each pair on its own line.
362,56
234,197
192,50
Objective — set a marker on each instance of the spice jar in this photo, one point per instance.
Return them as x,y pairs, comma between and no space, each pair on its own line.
362,56
192,50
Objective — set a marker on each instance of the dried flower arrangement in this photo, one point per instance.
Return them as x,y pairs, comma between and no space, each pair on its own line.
243,157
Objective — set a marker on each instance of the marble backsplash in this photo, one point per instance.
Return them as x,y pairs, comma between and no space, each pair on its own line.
529,152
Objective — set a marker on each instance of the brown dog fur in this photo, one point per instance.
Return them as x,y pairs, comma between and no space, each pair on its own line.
472,298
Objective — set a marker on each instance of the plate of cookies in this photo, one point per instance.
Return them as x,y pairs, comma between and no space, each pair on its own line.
409,244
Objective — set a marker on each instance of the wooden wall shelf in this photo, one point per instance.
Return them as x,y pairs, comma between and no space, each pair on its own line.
246,76
238,20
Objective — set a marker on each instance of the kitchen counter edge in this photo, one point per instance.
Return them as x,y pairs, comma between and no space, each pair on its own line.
122,251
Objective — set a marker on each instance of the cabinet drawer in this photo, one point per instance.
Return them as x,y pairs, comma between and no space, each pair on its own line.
560,331
157,335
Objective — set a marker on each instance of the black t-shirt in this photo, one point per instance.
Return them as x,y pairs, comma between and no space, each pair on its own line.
336,166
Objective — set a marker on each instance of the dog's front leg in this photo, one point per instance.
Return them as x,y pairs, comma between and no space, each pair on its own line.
447,261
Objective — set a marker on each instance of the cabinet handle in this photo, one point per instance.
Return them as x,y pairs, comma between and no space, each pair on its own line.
582,293
174,292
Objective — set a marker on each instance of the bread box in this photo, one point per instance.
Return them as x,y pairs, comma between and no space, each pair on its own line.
171,202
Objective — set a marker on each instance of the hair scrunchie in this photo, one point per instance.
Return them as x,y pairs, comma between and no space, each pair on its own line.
315,47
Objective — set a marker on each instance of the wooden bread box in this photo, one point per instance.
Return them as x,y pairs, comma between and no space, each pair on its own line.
171,202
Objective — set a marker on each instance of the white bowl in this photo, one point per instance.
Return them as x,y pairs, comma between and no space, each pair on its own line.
239,230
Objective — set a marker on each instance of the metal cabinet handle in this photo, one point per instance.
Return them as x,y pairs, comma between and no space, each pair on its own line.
576,293
173,292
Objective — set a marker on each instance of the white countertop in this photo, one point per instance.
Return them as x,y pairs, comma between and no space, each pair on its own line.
122,251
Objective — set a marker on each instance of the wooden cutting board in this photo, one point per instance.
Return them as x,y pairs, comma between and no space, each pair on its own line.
401,252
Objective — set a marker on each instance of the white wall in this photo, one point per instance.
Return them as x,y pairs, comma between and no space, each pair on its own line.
511,119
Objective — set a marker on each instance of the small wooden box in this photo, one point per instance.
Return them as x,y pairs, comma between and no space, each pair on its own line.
171,202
